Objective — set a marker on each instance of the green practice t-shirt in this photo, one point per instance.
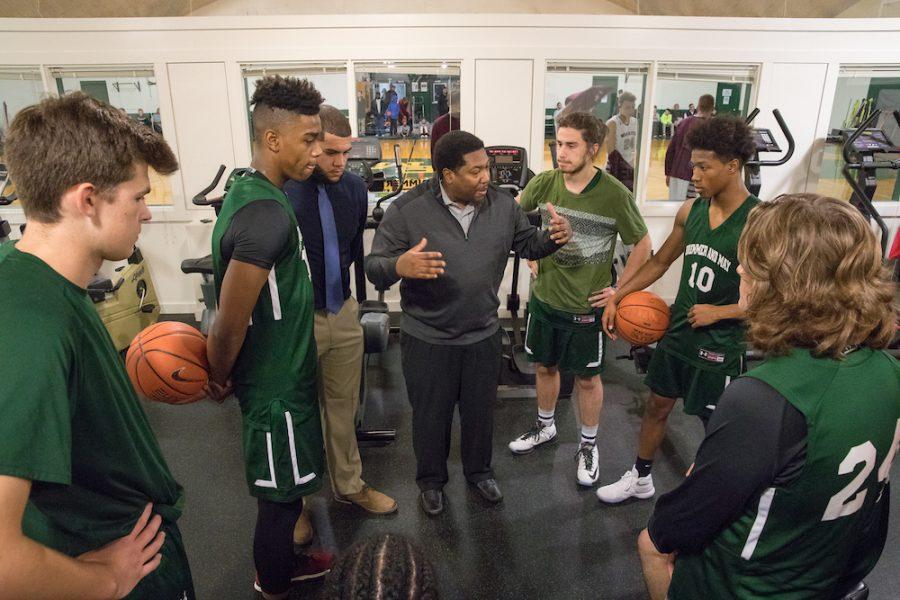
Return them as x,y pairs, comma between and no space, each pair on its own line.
598,214
70,421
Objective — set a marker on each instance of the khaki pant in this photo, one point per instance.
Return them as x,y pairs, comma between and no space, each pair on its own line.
339,339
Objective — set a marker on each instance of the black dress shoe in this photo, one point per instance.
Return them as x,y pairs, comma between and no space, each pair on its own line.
432,502
489,490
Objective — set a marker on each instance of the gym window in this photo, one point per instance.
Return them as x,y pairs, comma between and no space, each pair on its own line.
678,86
19,87
597,87
330,78
425,92
130,88
860,91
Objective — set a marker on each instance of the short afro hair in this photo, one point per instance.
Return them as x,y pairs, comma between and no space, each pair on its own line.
727,137
275,94
451,149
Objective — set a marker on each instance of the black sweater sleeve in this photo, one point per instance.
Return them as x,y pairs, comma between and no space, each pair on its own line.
755,440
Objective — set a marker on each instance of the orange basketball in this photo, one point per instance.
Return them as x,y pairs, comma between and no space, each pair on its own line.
642,318
167,363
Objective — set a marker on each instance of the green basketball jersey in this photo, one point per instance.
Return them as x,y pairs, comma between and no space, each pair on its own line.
72,424
275,372
825,528
279,354
709,276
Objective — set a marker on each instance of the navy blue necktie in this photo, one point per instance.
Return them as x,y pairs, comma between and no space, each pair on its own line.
334,287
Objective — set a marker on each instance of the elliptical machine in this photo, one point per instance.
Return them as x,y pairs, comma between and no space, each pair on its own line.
765,142
860,168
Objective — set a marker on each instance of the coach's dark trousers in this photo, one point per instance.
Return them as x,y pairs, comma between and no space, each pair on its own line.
438,377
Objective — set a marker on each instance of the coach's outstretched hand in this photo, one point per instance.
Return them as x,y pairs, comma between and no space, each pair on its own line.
560,228
415,263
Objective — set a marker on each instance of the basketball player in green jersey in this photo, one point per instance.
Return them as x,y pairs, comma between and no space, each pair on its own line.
789,496
88,506
704,345
262,339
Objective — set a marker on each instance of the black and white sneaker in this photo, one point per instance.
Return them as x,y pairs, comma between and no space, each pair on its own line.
587,460
534,437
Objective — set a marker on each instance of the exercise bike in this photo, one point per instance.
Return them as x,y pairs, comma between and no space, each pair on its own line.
509,171
127,306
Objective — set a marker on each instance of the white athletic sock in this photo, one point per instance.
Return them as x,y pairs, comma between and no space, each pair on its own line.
546,417
589,434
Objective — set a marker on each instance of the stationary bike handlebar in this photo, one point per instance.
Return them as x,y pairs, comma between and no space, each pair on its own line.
787,136
378,212
200,199
847,148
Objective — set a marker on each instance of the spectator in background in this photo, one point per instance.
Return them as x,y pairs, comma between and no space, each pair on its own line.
678,154
393,111
559,108
423,128
387,566
692,110
405,116
448,122
156,121
143,118
443,106
377,110
657,125
665,122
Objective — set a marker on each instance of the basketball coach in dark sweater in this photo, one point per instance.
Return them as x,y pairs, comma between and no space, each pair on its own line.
448,241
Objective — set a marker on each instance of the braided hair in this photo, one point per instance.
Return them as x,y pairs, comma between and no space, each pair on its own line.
387,567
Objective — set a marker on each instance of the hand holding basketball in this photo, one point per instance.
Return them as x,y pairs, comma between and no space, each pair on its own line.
217,391
642,318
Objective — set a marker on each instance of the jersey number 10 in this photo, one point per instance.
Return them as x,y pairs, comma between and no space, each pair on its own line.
704,279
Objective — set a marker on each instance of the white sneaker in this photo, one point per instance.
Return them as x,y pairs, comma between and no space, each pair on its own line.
587,458
630,485
534,437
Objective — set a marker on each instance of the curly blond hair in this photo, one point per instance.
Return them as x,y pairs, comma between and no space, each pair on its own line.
815,278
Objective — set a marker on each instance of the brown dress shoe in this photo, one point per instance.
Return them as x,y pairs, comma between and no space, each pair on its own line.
371,501
303,530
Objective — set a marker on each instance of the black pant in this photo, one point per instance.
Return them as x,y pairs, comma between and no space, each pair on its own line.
437,378
273,543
